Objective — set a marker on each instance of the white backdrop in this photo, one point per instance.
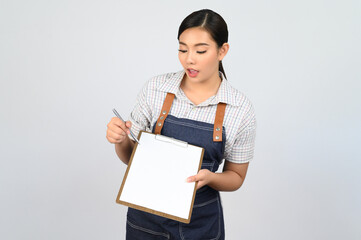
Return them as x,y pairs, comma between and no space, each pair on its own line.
65,64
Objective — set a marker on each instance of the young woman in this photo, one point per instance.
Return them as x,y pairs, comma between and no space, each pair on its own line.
199,106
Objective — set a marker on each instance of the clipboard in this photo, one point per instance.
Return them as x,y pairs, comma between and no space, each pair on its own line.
155,179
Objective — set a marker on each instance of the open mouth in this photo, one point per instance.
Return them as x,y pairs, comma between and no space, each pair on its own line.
192,73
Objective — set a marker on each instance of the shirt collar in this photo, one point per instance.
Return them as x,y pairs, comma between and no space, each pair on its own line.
225,92
172,83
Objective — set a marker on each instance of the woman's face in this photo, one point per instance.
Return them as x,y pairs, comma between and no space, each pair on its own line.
199,54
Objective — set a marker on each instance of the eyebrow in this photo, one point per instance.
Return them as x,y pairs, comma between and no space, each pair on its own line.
198,44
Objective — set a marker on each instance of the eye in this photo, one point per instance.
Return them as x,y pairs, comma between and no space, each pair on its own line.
182,51
201,52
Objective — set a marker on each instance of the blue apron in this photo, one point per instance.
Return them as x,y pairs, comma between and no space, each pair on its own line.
207,214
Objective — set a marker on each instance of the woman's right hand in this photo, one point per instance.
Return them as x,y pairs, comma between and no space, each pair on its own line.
117,130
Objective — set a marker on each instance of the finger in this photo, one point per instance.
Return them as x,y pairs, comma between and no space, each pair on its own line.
112,140
128,124
192,179
116,135
115,129
117,123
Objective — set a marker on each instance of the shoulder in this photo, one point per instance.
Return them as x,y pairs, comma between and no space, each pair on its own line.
240,107
236,99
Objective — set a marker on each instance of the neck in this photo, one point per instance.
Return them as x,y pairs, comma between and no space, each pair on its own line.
200,91
210,85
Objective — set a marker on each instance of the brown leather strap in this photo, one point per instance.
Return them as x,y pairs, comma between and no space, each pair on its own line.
164,113
218,122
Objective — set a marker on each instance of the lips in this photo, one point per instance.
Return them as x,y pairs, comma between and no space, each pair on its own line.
192,73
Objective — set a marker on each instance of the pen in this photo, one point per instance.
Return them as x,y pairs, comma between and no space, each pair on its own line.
131,133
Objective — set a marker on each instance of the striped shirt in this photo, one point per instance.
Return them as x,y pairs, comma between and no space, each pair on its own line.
239,120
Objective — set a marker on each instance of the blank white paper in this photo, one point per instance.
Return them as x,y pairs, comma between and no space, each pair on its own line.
157,176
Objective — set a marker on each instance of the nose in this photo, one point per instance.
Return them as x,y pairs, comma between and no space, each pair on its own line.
190,58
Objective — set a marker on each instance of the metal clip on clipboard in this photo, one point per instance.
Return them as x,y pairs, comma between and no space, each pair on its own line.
171,140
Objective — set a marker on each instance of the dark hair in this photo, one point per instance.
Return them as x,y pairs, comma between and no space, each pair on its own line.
212,22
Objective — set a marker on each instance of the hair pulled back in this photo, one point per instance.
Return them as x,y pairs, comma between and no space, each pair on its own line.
210,21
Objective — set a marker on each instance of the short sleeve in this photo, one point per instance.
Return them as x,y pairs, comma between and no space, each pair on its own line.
141,114
242,150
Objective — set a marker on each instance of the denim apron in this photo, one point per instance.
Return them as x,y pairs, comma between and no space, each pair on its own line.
207,214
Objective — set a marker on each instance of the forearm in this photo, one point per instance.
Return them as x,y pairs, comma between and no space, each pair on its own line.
225,181
124,150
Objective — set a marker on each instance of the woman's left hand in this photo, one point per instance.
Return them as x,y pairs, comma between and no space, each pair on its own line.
203,178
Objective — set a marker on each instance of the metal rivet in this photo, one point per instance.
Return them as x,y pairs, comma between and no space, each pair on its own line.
159,124
164,112
217,129
217,137
161,118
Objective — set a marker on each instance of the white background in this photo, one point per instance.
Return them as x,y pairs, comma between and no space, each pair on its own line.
65,64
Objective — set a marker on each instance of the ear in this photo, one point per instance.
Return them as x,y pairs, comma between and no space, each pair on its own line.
223,51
